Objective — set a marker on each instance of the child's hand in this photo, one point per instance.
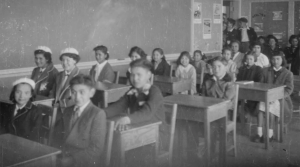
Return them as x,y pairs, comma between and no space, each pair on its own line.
121,123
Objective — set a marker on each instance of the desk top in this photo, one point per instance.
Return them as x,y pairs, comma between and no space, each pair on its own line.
110,86
194,101
260,86
167,79
16,150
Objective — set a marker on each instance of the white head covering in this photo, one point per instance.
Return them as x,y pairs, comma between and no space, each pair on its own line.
44,48
25,80
69,50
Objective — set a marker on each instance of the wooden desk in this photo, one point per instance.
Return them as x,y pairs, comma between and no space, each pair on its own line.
108,93
137,135
17,151
265,93
206,110
172,85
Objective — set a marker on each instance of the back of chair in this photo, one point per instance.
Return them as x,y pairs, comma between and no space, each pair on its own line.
236,102
200,78
172,68
171,113
117,75
50,113
108,141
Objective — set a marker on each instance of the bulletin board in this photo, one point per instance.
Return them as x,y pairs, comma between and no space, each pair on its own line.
82,24
208,34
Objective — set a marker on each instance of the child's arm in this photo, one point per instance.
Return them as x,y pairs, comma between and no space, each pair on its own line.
229,91
167,69
149,108
109,76
97,140
118,107
289,82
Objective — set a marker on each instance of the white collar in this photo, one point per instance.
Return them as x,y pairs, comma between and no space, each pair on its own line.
277,69
81,108
42,69
235,55
248,28
102,64
20,108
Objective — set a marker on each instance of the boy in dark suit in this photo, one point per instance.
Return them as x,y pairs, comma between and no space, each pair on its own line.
85,126
246,35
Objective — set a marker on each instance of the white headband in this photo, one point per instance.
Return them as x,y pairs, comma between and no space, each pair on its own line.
69,50
25,80
44,48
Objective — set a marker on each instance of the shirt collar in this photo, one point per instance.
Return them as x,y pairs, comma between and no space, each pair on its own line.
42,69
277,69
102,64
81,108
20,108
248,28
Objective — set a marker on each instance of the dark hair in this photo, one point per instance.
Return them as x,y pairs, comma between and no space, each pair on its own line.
281,54
236,41
12,93
261,37
230,20
226,48
71,55
198,51
243,19
251,54
293,37
160,51
139,51
47,55
257,43
143,63
272,37
220,59
184,53
210,61
103,49
82,79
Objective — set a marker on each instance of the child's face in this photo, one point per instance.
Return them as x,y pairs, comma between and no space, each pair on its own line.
68,63
135,56
276,61
157,56
139,77
209,69
81,94
23,94
219,69
257,49
272,42
261,40
197,56
243,24
235,47
40,60
100,56
295,42
227,55
185,61
250,60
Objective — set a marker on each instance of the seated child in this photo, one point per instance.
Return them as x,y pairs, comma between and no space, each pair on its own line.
22,118
102,71
238,57
143,102
186,70
45,72
85,126
198,63
262,60
230,66
276,74
161,66
134,54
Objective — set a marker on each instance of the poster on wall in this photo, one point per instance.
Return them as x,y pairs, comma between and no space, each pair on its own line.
277,15
217,13
197,12
206,28
258,27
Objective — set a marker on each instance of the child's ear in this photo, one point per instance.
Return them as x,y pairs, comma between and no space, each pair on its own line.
92,92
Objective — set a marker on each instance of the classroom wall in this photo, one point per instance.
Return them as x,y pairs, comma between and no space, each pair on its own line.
245,11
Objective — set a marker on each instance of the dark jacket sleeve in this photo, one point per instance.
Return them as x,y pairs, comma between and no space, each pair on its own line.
97,140
118,107
109,75
289,82
51,80
258,74
36,124
149,108
167,69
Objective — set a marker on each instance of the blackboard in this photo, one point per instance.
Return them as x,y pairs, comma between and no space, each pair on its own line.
82,24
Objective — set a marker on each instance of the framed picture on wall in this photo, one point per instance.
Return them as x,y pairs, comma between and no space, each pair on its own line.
277,15
258,27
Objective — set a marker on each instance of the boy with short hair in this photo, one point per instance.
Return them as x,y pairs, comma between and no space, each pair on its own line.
85,126
246,35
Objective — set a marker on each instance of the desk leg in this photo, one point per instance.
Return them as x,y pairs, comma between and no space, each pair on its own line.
53,159
266,130
156,147
122,154
281,120
104,102
223,141
207,142
242,116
